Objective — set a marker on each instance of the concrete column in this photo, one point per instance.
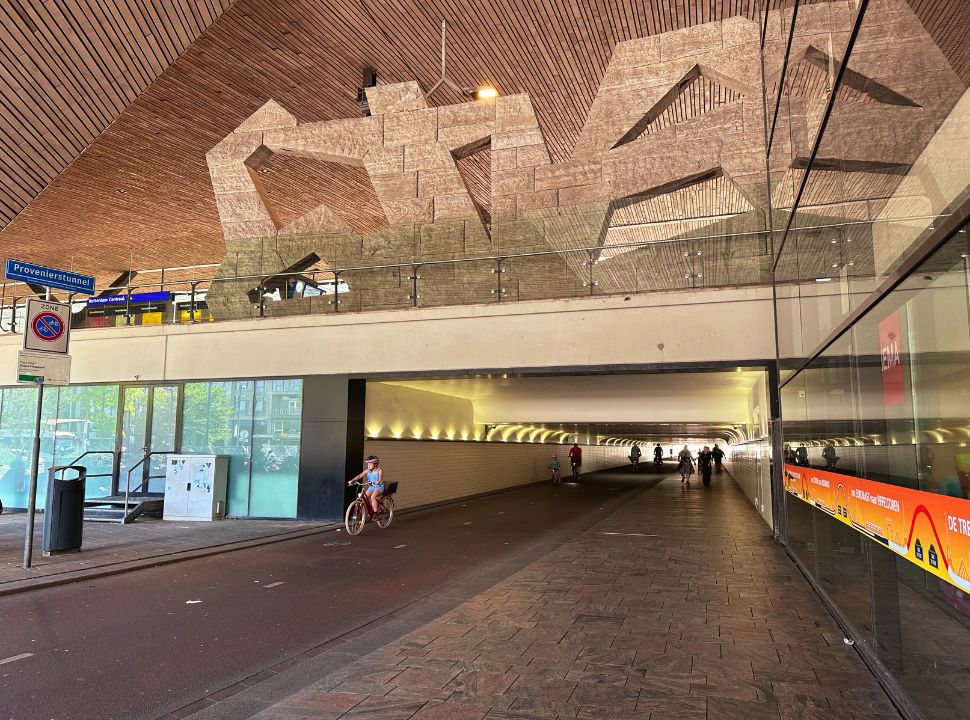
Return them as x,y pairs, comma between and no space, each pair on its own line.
332,444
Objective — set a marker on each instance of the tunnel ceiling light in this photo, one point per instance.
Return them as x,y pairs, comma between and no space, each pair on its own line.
823,279
484,93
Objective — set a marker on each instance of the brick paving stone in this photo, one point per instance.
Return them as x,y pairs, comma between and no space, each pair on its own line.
695,613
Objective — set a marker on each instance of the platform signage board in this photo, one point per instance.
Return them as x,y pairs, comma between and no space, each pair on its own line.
43,368
17,270
48,327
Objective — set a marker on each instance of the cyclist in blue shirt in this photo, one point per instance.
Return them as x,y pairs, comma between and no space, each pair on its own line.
375,481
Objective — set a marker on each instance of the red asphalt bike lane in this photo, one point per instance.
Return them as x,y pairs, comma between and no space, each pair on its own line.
145,643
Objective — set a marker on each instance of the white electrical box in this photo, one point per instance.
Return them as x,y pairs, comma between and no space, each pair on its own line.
195,487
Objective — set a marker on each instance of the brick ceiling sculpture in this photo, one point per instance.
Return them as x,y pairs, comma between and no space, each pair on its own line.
673,147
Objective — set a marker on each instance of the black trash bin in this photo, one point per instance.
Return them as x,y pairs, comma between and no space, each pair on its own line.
64,514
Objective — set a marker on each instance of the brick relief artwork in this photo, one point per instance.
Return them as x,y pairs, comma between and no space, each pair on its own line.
666,186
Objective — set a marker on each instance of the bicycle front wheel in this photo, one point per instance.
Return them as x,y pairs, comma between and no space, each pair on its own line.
354,518
385,512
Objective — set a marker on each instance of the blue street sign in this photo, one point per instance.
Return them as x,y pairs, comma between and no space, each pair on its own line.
50,277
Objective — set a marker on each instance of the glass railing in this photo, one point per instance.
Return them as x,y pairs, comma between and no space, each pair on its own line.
619,268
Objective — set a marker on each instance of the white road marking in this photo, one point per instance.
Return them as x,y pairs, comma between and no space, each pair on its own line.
629,534
192,602
398,547
275,584
15,658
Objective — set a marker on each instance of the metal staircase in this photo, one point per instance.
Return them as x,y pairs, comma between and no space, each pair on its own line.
123,507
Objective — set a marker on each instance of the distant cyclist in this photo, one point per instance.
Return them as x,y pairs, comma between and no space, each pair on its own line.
375,481
576,460
635,457
555,468
658,455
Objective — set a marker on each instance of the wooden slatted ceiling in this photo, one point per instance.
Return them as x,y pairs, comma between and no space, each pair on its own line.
141,195
69,68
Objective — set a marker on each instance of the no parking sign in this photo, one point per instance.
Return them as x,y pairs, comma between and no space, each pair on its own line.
48,326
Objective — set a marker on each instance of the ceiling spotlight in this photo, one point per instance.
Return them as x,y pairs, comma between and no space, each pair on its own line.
835,242
485,93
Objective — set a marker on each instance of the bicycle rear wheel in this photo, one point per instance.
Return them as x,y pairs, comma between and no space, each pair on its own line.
385,513
355,517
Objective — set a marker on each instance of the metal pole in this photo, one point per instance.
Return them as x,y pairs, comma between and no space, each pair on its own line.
34,467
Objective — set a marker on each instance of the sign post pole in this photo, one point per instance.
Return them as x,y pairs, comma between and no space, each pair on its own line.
44,359
34,468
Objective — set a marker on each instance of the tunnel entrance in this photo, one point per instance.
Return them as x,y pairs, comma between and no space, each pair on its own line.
476,434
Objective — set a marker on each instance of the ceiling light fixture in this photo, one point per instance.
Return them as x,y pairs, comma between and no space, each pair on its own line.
484,93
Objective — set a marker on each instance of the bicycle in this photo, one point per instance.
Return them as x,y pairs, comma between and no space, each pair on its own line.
555,477
575,466
635,463
359,511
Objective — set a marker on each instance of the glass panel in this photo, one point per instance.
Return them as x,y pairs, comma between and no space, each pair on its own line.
134,443
18,407
891,397
217,419
86,420
277,413
164,415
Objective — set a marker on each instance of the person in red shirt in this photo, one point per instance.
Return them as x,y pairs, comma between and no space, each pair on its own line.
576,459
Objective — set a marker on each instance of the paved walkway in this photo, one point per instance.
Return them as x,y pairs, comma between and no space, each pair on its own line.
678,605
111,547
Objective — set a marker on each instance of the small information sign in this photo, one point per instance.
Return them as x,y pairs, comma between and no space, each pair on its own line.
43,368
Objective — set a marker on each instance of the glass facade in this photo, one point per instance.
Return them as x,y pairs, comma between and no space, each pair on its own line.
900,419
255,423
868,159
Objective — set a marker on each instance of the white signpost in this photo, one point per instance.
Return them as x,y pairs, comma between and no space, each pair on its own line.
44,359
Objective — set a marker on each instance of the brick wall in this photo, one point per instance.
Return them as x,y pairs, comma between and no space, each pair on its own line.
430,472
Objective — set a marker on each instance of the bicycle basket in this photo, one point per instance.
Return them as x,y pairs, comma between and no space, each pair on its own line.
391,489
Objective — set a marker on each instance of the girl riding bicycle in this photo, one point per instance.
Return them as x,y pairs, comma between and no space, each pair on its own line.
375,481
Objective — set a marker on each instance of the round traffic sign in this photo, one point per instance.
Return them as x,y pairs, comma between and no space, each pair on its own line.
47,326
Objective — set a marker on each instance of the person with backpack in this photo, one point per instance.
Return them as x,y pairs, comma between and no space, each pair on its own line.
828,452
635,457
718,456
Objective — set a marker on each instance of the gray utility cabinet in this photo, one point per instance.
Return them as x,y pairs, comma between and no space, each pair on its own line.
195,487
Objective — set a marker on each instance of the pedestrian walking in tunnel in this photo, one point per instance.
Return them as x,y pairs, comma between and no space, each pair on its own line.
685,465
705,464
718,456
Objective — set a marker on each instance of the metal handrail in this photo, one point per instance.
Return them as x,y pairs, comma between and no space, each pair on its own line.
112,453
143,482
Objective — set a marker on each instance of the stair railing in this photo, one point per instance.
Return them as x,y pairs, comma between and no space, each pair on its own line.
114,464
144,483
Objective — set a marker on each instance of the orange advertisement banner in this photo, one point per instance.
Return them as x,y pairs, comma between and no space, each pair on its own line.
929,530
